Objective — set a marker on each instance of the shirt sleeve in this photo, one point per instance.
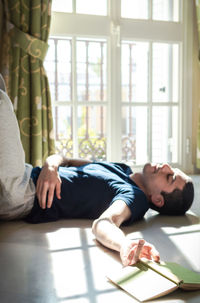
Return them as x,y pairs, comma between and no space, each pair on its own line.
134,198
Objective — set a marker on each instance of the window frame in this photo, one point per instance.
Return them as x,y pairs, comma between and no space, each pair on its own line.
113,28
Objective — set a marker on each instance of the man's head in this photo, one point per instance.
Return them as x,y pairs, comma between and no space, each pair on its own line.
169,190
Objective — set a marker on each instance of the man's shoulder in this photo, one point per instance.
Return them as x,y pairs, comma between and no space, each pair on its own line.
115,165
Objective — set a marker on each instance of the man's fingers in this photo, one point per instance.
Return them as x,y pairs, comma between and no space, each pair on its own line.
48,183
152,253
58,190
48,189
149,252
134,253
155,254
138,250
39,194
44,195
130,257
50,196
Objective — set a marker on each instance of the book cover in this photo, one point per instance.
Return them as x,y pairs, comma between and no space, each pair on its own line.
149,280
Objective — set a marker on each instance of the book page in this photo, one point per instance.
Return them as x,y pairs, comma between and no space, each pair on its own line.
142,284
161,268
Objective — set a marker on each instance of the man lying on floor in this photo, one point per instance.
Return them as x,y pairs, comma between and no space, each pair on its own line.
109,193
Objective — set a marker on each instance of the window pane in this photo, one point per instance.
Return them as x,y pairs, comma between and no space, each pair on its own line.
166,10
165,72
92,132
92,7
134,134
135,9
50,66
164,134
64,70
91,70
135,71
63,130
58,68
62,6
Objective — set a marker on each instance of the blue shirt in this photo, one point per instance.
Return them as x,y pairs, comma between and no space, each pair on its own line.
88,190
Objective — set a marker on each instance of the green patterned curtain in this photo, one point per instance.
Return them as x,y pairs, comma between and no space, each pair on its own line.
198,133
24,46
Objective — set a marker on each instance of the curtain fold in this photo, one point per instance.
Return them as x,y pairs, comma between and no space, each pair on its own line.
24,46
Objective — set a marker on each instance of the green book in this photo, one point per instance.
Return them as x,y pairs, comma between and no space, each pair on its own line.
149,280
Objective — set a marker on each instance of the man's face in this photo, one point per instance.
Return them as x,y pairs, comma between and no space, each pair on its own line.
162,177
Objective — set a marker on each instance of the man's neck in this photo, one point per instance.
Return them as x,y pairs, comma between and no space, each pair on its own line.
138,179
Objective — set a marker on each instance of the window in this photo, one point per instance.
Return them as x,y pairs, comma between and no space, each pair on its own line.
81,108
142,101
91,7
115,76
163,10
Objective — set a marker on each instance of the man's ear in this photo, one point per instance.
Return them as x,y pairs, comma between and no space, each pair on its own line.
157,200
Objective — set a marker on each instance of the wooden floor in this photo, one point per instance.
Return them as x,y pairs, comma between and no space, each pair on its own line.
62,262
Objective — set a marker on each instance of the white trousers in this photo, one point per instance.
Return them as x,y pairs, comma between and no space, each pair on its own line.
17,190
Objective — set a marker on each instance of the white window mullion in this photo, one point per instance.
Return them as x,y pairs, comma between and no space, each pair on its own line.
186,106
114,110
150,9
74,6
150,109
74,100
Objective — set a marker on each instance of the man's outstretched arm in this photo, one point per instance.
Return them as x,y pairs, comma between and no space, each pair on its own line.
59,160
49,181
107,232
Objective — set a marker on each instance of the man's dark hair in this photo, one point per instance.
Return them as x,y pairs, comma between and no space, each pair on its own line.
177,202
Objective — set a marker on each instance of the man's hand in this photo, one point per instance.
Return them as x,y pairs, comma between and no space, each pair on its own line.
49,180
133,250
48,183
